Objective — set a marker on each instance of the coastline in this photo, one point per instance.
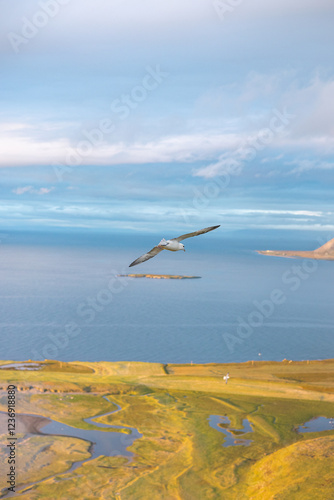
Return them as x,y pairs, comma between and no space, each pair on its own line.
295,254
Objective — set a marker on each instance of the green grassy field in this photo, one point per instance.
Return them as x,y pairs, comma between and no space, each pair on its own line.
179,455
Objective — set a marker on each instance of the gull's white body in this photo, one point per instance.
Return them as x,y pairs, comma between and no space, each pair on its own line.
172,245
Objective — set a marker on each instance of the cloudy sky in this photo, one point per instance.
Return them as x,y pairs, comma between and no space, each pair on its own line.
127,115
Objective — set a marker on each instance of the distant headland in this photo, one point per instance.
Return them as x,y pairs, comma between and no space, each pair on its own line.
159,276
325,252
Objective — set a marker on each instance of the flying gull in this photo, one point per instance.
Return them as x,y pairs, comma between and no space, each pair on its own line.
173,245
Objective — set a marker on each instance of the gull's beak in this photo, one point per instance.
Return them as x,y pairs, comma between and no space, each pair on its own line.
184,249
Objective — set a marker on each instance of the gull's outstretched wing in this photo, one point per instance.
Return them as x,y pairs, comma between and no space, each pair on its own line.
146,256
195,233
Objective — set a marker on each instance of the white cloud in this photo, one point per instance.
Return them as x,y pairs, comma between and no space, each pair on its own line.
250,211
272,159
313,105
29,189
29,150
44,190
203,137
216,168
21,151
22,190
295,227
307,165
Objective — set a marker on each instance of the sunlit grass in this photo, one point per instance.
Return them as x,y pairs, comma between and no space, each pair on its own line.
180,456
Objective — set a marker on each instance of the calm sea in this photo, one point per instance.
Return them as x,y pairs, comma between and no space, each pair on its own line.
60,299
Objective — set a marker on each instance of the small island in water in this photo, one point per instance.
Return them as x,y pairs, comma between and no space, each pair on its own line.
325,252
159,276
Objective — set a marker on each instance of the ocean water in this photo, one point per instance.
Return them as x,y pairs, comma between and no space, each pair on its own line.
60,299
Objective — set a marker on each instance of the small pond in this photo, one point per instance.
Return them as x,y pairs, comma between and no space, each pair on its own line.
233,437
103,443
21,366
317,424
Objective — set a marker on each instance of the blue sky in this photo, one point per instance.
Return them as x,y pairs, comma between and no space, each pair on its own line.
141,116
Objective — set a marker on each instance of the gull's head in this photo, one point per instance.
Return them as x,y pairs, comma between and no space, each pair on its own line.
183,247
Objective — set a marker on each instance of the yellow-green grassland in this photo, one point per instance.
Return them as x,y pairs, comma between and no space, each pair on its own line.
179,456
